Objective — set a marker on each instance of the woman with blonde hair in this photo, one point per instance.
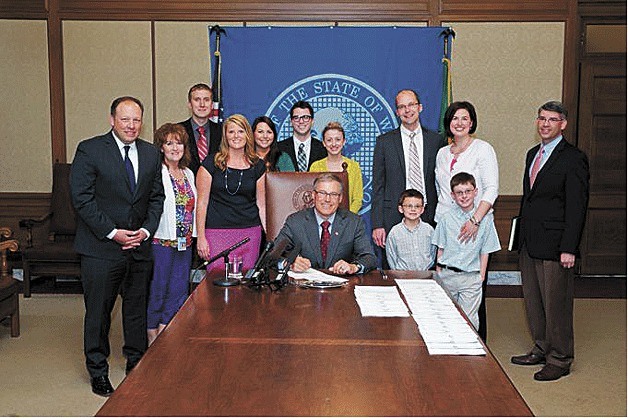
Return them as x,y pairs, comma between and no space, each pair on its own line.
230,187
334,141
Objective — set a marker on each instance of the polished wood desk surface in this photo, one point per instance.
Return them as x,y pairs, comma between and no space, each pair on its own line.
304,352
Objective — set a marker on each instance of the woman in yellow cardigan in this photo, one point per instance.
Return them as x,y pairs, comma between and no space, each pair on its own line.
334,141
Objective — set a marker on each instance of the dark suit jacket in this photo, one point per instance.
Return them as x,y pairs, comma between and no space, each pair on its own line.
215,135
553,211
102,196
317,151
348,242
389,177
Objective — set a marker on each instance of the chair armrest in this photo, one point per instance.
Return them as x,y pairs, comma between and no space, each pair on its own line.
29,223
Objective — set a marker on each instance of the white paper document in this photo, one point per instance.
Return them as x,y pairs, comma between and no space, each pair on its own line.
441,325
380,301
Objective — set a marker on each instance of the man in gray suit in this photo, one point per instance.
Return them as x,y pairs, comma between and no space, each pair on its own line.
118,194
329,237
394,171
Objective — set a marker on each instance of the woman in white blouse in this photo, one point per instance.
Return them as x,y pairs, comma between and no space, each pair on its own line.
466,154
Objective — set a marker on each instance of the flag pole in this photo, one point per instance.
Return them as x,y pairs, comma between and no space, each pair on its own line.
217,106
446,95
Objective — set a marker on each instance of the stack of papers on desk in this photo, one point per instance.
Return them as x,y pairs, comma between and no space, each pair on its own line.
380,301
441,325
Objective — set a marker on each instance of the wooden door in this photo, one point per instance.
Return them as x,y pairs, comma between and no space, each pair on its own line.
602,135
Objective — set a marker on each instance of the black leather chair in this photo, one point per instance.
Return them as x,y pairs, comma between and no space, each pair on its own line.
55,257
9,287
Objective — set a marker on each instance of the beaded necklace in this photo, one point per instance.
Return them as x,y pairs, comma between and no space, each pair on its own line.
227,183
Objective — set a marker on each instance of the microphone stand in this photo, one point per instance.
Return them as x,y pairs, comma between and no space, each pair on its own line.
226,281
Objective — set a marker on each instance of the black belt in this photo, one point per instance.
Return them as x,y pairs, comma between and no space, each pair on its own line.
454,269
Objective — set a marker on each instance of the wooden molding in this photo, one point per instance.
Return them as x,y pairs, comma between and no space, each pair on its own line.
23,9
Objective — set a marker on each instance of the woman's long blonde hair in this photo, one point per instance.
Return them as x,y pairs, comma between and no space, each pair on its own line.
222,156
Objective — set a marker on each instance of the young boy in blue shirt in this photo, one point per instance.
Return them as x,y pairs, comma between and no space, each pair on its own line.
409,243
461,267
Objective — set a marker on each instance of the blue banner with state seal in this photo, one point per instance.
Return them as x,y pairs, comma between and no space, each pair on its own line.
348,74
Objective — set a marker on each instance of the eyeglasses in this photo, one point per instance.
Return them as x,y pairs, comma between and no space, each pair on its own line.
302,118
324,194
412,206
543,119
461,193
408,106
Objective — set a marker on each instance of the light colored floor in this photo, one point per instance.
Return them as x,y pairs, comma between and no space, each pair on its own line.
42,372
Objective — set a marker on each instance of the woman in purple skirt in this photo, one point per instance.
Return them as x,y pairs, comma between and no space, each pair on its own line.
172,243
231,196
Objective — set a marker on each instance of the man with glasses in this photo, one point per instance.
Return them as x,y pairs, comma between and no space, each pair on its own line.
552,214
404,158
301,147
329,237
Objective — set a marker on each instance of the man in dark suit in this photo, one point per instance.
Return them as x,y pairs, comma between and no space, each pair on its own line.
116,188
203,135
328,237
553,208
302,148
393,167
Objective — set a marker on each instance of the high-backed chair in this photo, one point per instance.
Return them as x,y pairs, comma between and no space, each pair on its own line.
56,257
290,192
9,287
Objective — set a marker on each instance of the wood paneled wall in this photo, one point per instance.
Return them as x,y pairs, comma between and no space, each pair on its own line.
15,205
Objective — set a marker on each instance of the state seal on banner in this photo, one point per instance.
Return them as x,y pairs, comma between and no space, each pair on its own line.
357,106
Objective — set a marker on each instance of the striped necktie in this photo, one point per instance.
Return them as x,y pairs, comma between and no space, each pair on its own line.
301,158
201,144
415,177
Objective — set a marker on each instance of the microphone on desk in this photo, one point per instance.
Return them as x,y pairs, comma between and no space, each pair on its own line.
284,263
255,271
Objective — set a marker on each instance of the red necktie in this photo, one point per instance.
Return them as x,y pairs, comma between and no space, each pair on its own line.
536,166
201,144
325,237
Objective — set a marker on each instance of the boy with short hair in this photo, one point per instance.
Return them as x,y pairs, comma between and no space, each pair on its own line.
409,243
461,266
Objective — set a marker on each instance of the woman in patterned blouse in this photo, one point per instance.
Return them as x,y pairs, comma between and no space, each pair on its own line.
172,243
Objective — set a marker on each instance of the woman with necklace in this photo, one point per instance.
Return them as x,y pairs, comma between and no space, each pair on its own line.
172,243
265,136
334,141
231,196
466,154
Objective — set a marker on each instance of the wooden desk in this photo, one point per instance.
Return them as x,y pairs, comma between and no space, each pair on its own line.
296,352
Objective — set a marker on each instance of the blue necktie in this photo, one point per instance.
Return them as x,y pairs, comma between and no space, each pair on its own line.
129,168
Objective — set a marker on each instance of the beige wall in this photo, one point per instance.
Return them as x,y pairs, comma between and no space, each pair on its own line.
24,107
102,61
181,60
507,70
